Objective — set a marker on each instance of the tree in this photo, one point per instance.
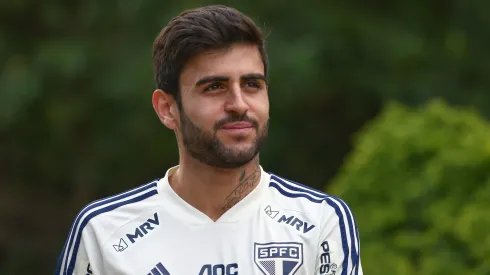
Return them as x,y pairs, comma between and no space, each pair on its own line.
418,182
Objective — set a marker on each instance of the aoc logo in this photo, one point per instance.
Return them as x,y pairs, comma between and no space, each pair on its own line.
278,258
139,232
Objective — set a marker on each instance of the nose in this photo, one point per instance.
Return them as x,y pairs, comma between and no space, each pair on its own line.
236,102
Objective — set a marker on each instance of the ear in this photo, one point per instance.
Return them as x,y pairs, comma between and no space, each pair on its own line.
165,106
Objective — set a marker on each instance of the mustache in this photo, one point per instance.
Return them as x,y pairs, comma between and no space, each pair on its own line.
236,118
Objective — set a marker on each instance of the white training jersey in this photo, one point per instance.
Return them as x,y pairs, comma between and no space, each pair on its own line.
280,228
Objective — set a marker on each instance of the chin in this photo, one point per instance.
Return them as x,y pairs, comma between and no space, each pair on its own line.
238,140
240,149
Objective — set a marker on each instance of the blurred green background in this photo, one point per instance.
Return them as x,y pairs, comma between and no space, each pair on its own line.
384,103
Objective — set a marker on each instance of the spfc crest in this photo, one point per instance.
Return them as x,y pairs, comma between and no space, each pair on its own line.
278,258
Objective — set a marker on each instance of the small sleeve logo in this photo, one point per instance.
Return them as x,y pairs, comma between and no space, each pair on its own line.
121,246
271,213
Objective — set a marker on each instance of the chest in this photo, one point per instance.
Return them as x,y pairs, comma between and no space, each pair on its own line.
273,243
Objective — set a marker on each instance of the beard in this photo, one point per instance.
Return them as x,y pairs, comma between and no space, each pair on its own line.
207,148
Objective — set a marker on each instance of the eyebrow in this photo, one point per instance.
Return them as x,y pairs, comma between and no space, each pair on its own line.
219,78
253,76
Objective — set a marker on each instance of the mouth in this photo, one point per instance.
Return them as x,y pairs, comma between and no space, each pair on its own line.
237,126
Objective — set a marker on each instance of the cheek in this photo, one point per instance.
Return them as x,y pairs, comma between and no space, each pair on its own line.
262,108
204,115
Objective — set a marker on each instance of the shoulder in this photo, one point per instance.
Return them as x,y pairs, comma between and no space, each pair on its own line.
310,200
97,220
338,236
104,216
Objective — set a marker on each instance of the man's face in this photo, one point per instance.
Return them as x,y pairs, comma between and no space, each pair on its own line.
225,106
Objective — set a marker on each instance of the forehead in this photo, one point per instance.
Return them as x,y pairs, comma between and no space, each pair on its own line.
234,61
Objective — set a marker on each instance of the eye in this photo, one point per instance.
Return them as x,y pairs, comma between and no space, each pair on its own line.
213,87
253,84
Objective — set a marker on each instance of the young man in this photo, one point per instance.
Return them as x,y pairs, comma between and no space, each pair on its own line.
218,211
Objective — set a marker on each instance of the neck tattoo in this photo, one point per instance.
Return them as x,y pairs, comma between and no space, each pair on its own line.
245,184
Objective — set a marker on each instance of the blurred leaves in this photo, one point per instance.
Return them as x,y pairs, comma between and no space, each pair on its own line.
418,181
19,86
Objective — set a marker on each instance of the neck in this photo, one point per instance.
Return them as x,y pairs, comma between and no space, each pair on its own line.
211,190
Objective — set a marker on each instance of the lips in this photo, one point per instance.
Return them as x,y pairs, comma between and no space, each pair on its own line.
237,125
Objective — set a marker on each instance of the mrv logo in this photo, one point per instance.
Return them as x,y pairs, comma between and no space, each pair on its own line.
279,258
300,225
139,232
144,228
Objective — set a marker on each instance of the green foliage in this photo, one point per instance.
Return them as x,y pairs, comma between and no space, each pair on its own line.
418,182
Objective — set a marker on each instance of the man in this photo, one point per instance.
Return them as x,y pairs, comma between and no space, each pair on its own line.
218,211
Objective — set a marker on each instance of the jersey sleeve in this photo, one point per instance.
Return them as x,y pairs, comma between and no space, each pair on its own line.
338,245
80,255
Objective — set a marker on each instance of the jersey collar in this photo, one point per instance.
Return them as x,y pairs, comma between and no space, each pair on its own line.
185,212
